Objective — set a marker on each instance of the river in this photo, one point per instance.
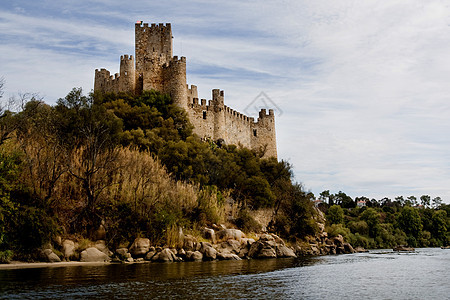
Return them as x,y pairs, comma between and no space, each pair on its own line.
379,274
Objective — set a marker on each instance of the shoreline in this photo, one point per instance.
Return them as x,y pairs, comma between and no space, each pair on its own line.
31,265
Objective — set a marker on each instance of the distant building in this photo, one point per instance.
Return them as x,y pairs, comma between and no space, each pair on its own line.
317,202
361,203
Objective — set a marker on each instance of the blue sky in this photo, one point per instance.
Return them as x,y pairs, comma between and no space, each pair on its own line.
363,85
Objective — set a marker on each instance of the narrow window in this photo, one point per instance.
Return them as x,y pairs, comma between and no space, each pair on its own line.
254,132
204,115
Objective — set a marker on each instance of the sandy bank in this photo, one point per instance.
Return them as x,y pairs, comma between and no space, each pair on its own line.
25,265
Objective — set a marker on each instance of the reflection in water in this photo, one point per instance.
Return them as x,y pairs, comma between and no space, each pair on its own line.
381,274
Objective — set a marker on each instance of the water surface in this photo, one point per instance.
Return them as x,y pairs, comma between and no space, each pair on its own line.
380,274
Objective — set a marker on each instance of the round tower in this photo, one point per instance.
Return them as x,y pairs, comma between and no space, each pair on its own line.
127,81
174,78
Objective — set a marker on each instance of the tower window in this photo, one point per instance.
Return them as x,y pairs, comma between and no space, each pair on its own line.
204,115
254,132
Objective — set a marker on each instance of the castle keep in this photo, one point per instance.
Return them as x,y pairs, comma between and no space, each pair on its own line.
155,67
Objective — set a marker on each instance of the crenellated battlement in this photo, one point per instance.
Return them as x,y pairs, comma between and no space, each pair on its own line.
154,67
126,57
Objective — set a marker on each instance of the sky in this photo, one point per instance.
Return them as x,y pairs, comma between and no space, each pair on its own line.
361,88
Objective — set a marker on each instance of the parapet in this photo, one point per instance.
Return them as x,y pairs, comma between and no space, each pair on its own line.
153,26
126,57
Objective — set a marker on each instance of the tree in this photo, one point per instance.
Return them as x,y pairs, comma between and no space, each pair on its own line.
45,158
410,222
326,196
344,200
2,85
400,200
372,218
335,215
91,134
437,202
440,224
425,200
412,200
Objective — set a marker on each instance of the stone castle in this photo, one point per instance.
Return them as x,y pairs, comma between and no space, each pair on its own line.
155,67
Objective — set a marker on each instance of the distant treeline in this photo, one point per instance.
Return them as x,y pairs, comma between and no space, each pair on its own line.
386,223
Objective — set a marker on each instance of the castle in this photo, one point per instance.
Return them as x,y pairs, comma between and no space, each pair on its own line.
156,68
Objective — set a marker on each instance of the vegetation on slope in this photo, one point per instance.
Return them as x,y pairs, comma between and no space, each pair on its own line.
133,165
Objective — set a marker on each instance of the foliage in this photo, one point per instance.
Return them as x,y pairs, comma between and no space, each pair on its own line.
335,215
246,222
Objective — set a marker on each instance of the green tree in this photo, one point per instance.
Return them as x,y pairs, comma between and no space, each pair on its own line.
437,202
335,215
425,200
440,223
372,218
410,222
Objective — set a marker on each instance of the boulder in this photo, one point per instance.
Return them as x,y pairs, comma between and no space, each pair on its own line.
194,255
150,255
68,248
203,246
50,256
122,252
360,249
100,233
92,254
140,247
277,239
348,248
209,234
227,256
284,251
314,249
210,253
267,252
338,240
230,246
266,237
230,234
262,249
101,245
247,241
165,256
189,243
181,253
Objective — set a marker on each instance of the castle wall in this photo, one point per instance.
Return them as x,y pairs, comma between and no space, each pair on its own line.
217,121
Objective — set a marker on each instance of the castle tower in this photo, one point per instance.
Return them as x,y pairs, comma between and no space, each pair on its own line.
174,78
264,136
152,43
127,81
219,115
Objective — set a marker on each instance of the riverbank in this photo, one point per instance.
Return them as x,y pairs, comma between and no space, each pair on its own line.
31,265
215,244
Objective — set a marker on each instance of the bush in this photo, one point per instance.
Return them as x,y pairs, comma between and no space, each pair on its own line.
6,256
246,222
336,229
